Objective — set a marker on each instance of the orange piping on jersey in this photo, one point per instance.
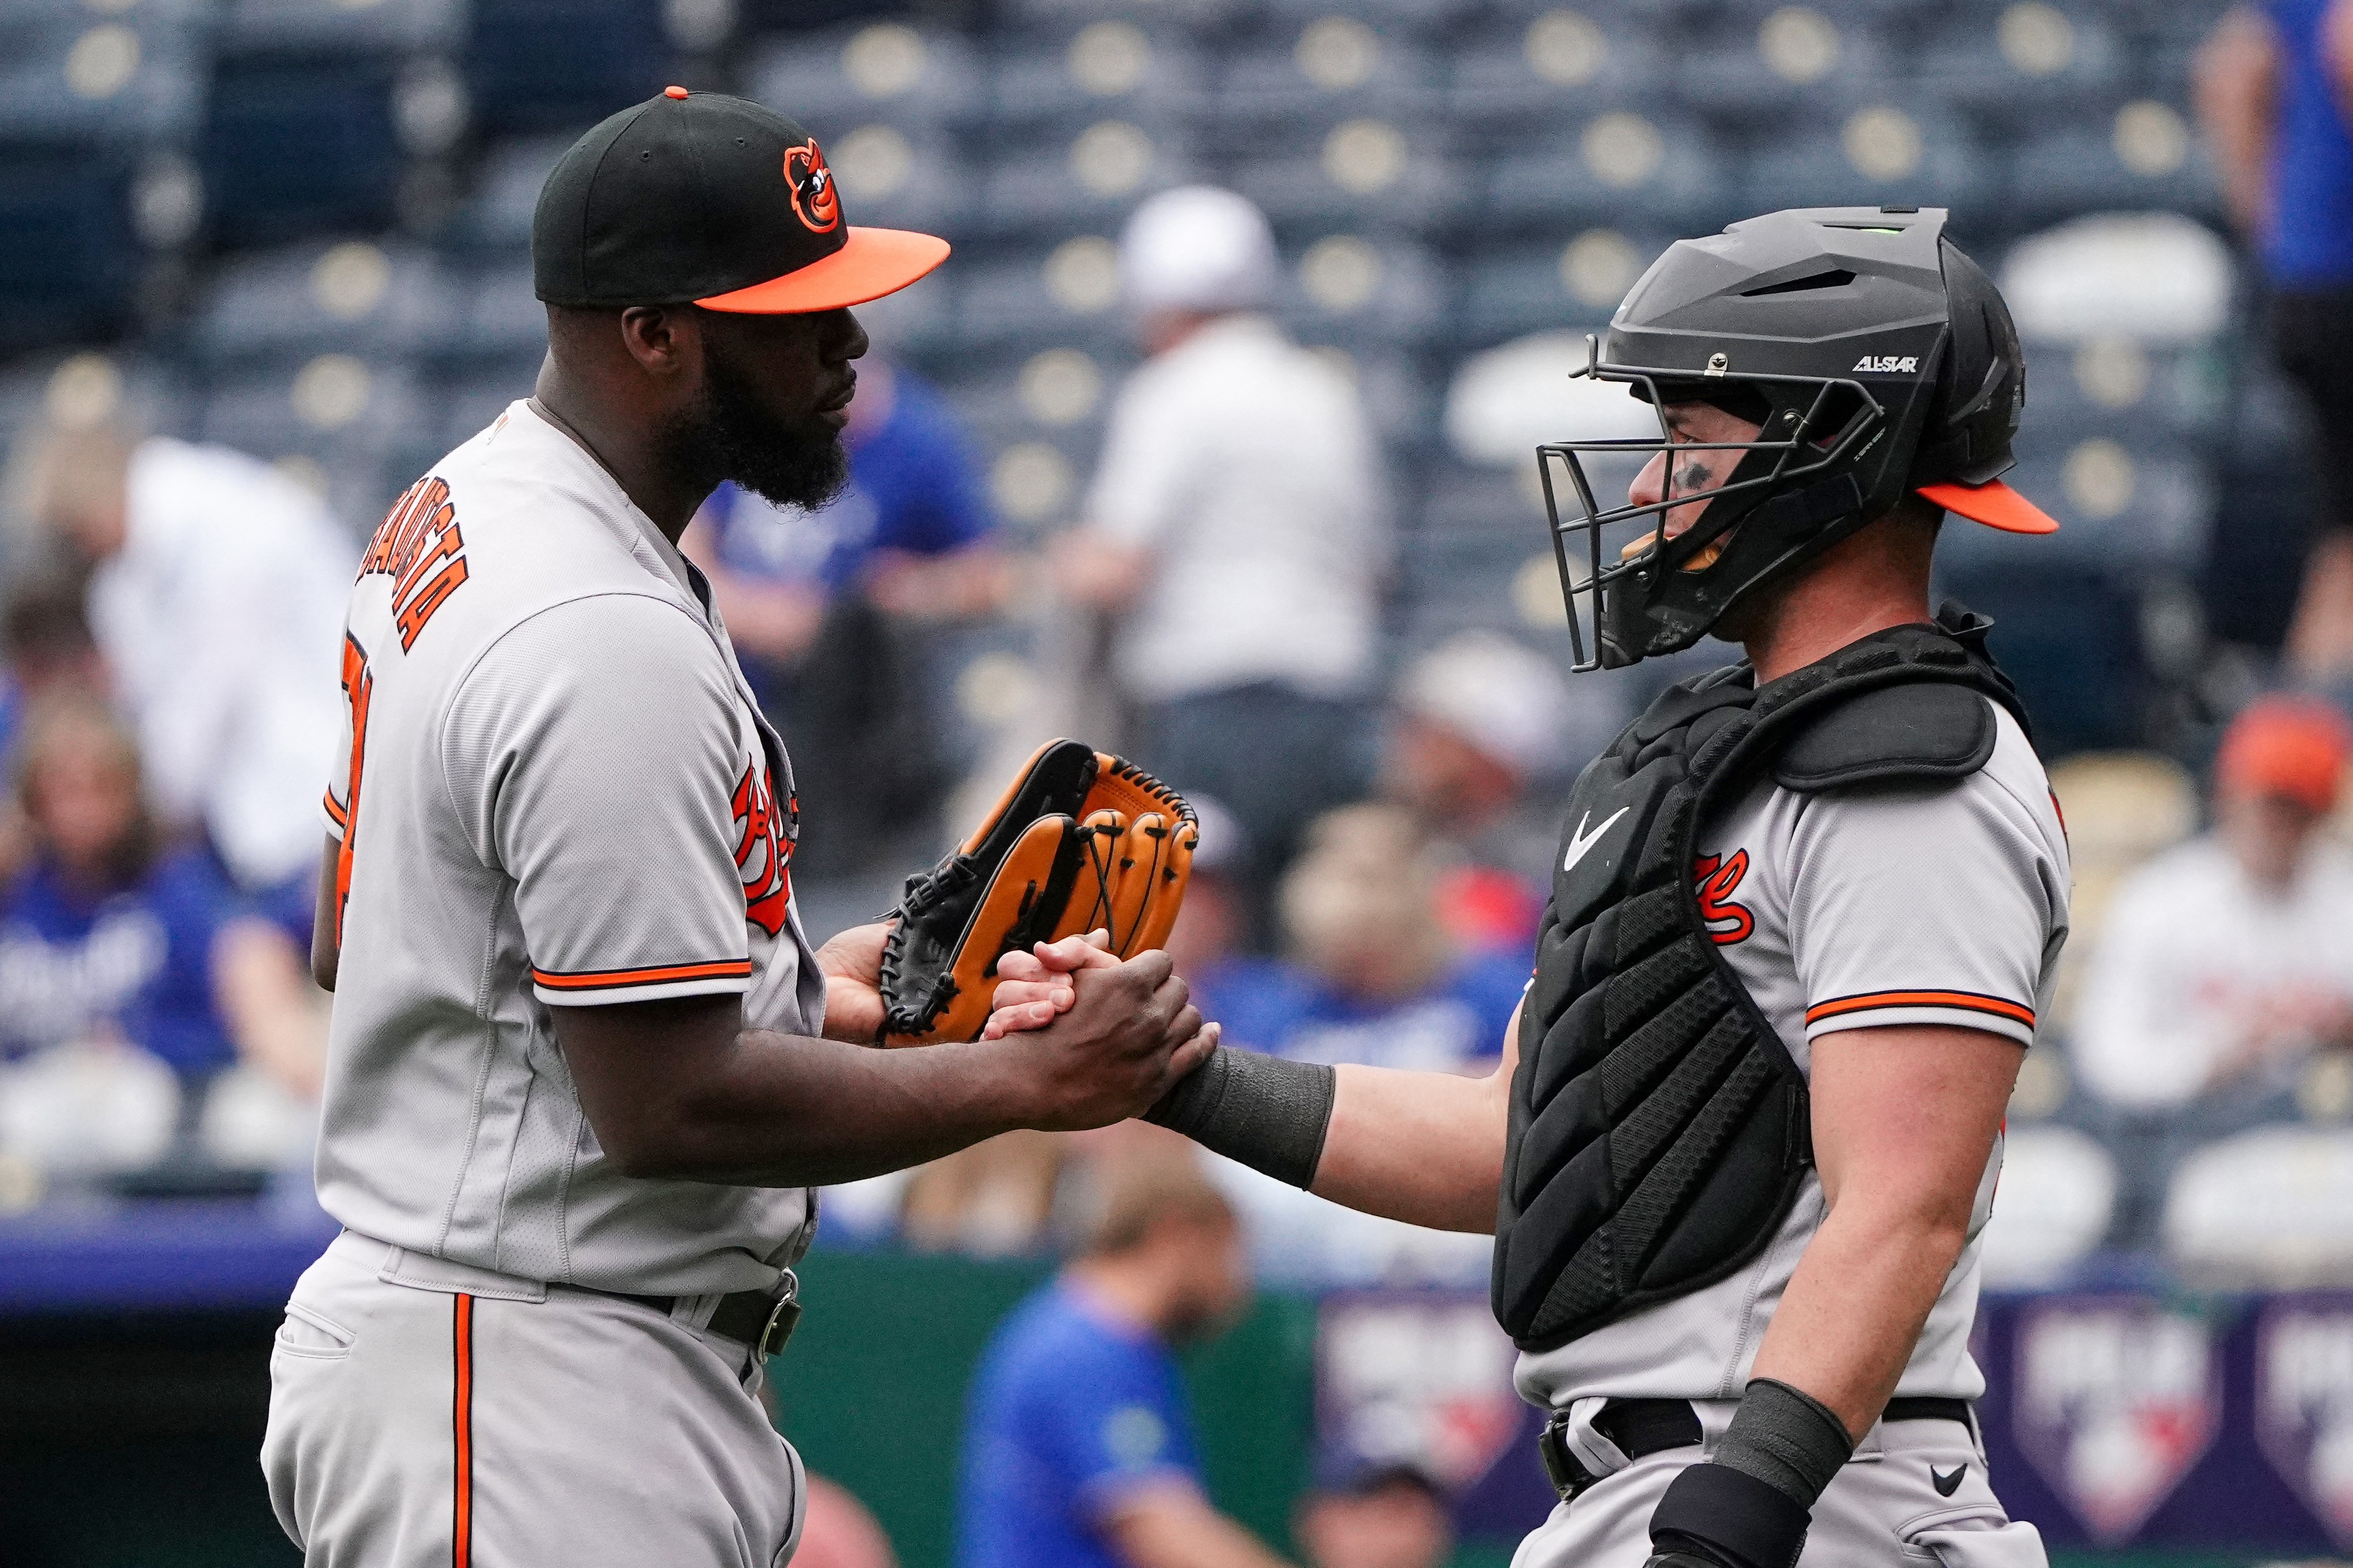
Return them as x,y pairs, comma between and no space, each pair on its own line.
461,1420
335,811
609,979
1970,1001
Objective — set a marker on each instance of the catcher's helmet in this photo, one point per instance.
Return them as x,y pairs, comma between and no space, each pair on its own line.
1876,358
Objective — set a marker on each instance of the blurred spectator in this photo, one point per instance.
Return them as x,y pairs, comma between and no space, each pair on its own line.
111,943
216,595
2273,86
837,1532
1479,726
817,603
45,651
1378,980
1361,1514
1210,942
990,1200
1078,1448
1237,527
2227,962
45,645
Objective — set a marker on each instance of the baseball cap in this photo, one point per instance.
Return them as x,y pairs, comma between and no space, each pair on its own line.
2292,746
1196,247
1342,1470
1503,696
1995,504
705,198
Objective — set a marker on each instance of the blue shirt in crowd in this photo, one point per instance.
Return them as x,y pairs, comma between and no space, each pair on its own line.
1279,1008
2311,238
1070,1410
913,487
137,961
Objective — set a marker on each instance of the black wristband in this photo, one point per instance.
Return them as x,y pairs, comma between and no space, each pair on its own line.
1720,1514
1787,1438
1268,1113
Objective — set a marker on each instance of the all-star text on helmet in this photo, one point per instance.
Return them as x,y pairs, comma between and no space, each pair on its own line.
1876,358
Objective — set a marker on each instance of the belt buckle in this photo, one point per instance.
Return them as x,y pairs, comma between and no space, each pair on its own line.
782,1318
1569,1476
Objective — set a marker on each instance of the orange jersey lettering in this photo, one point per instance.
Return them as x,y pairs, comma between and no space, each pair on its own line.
420,532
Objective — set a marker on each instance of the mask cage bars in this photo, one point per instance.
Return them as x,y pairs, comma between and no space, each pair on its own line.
1868,418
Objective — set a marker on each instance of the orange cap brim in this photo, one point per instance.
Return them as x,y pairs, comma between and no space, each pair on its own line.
872,262
1996,505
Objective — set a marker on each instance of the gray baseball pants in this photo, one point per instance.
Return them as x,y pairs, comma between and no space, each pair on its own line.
1886,1509
424,1414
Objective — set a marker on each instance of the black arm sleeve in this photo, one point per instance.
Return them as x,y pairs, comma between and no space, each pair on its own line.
1268,1113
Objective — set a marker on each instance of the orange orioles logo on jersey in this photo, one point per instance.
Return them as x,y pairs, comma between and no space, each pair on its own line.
763,854
1718,878
815,201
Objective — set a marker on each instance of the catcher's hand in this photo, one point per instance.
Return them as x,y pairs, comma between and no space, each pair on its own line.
1082,841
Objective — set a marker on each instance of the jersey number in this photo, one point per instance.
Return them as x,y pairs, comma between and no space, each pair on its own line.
359,685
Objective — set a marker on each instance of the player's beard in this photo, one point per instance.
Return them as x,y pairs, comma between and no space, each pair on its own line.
728,436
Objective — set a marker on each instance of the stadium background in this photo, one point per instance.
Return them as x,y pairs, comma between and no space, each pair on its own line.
300,228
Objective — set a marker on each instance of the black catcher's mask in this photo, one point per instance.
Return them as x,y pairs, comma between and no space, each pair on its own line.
1877,361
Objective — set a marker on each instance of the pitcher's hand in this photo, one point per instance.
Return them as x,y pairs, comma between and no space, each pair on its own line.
1129,1033
1034,987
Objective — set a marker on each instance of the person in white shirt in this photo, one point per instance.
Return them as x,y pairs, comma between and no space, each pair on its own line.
2228,962
1237,528
216,597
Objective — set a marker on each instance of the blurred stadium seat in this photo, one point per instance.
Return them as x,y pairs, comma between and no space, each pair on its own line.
1349,290
355,429
1617,168
1050,86
1749,67
69,265
1524,76
2052,1209
2271,1207
918,79
2155,277
1288,94
1068,294
506,192
72,76
339,113
536,65
390,26
356,295
2145,157
2024,59
1876,154
1089,180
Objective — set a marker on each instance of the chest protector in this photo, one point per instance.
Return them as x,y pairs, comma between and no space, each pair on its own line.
1659,1128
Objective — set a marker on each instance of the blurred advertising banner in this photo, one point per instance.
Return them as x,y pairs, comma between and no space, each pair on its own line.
2116,1398
2112,1418
1421,1378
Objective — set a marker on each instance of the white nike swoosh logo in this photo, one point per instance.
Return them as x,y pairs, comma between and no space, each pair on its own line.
1581,841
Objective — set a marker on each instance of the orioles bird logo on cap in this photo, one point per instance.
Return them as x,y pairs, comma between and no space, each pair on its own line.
815,201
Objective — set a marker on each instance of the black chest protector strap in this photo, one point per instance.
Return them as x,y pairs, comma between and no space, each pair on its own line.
1658,1131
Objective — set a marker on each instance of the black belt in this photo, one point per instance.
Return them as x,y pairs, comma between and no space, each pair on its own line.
1641,1427
763,1320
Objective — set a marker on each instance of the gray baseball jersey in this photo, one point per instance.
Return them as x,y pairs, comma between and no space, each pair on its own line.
557,791
1870,906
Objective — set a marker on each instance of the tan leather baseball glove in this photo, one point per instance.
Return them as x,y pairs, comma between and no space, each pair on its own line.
1081,841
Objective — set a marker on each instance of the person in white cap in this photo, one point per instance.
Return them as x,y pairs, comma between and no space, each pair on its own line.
1237,528
1479,727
